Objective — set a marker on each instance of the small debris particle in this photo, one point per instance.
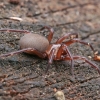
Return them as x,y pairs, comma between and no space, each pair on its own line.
59,95
16,18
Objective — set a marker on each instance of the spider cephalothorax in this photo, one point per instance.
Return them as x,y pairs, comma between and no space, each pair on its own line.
42,47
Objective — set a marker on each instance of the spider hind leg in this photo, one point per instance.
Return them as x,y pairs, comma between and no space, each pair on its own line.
86,60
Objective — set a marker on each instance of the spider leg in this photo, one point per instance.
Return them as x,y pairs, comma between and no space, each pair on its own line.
51,58
64,48
79,41
50,34
60,40
14,30
34,51
72,61
86,60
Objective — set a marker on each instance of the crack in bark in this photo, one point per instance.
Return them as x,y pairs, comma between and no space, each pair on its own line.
91,33
76,85
66,8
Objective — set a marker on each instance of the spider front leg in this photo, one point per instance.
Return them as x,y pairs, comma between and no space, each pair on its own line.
86,60
73,35
72,61
50,34
79,41
51,58
27,50
64,49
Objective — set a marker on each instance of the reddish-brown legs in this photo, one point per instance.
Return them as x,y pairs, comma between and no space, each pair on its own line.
57,51
51,58
62,51
50,34
60,40
79,41
42,55
26,31
72,61
73,40
86,60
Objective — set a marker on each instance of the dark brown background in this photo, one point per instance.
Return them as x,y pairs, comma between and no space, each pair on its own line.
21,76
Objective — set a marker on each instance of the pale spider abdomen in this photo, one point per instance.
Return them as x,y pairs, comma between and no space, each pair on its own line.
35,41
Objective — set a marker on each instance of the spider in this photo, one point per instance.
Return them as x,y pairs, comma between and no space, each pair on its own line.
42,47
